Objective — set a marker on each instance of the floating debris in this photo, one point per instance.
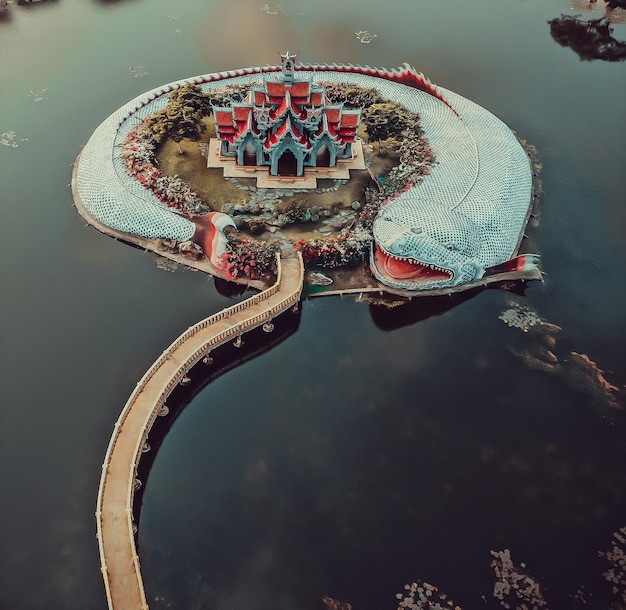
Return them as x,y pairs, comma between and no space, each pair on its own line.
383,300
39,95
580,596
8,138
365,37
616,574
177,31
334,604
173,16
513,584
520,316
318,279
422,595
166,264
277,10
137,71
585,375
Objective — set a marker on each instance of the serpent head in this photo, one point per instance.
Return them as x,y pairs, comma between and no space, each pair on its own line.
421,246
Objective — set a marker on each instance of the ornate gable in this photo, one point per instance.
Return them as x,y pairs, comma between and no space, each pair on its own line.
290,110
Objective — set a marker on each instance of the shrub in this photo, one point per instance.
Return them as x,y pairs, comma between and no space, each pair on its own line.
250,258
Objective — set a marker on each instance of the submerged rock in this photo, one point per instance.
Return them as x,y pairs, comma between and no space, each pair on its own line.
191,249
167,245
318,279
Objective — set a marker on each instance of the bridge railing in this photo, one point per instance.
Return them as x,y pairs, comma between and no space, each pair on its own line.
181,371
192,330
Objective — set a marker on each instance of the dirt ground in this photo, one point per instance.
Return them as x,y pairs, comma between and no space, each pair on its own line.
215,191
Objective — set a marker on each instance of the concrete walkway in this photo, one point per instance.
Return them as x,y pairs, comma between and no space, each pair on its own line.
115,529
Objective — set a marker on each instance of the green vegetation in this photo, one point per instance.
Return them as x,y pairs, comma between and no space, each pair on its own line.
182,117
390,120
167,153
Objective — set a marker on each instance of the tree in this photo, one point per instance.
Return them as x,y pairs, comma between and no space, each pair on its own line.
389,120
186,122
191,95
181,118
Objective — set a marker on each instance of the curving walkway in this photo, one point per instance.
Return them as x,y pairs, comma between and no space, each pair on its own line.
114,514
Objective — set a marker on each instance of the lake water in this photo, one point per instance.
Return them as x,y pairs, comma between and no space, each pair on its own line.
367,449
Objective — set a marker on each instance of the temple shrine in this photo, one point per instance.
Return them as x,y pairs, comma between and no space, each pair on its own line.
287,125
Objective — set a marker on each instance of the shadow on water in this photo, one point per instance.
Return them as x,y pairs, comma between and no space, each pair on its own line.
420,309
229,289
6,16
589,39
224,359
110,2
33,3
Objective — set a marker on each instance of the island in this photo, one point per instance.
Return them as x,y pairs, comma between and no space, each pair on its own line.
295,180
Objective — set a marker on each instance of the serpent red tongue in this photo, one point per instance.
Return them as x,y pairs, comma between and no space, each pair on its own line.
403,269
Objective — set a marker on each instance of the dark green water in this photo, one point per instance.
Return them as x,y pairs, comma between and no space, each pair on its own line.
360,453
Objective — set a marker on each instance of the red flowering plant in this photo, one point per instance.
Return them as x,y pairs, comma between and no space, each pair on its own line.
250,258
349,248
401,130
139,156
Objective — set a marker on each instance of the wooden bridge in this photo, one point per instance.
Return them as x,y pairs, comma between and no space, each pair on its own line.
114,514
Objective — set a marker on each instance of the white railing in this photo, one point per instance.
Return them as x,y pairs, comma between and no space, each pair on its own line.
243,326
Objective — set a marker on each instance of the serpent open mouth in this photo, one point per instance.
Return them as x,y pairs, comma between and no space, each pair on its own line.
408,269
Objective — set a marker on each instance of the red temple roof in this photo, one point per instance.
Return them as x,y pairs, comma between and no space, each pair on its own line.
286,107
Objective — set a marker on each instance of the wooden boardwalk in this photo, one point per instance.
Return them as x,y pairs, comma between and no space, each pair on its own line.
114,515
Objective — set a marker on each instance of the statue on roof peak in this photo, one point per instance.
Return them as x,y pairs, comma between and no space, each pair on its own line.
288,65
287,124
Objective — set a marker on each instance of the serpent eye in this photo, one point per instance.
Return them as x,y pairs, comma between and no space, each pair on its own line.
451,247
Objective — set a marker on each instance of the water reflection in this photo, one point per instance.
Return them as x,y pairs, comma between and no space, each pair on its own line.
494,428
229,289
613,9
538,348
393,315
592,38
5,13
220,361
34,3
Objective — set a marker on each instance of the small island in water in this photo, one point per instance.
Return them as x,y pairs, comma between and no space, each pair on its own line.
383,182
294,180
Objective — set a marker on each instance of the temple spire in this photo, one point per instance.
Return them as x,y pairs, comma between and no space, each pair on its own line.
288,64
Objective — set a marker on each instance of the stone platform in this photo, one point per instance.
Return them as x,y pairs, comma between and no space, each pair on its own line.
264,180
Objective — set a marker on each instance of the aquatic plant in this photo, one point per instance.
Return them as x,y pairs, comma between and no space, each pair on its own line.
334,604
520,316
365,37
422,595
8,138
513,585
616,557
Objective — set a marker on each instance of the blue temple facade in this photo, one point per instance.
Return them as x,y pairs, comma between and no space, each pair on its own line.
286,124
